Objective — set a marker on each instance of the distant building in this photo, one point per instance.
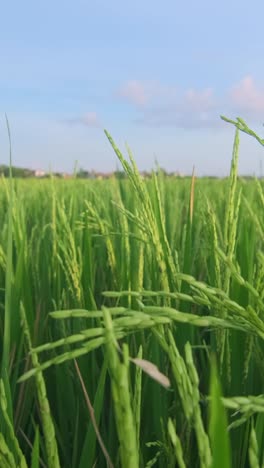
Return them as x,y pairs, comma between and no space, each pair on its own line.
177,174
65,175
102,175
39,173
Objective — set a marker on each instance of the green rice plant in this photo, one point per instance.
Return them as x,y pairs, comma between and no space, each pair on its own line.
11,454
187,381
176,444
46,419
219,437
253,450
125,422
8,290
154,226
241,125
35,458
145,265
6,456
137,399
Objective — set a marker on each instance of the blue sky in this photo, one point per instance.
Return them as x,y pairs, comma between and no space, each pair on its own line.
156,74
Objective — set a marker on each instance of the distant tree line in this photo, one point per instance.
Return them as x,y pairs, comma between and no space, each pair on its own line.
20,172
16,171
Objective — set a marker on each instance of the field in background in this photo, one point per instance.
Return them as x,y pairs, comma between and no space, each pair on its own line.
165,271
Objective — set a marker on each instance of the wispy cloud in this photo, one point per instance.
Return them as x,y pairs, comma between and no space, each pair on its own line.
200,101
90,119
160,105
169,106
179,118
134,92
248,97
146,93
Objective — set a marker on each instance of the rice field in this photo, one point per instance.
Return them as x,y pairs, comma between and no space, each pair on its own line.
132,320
